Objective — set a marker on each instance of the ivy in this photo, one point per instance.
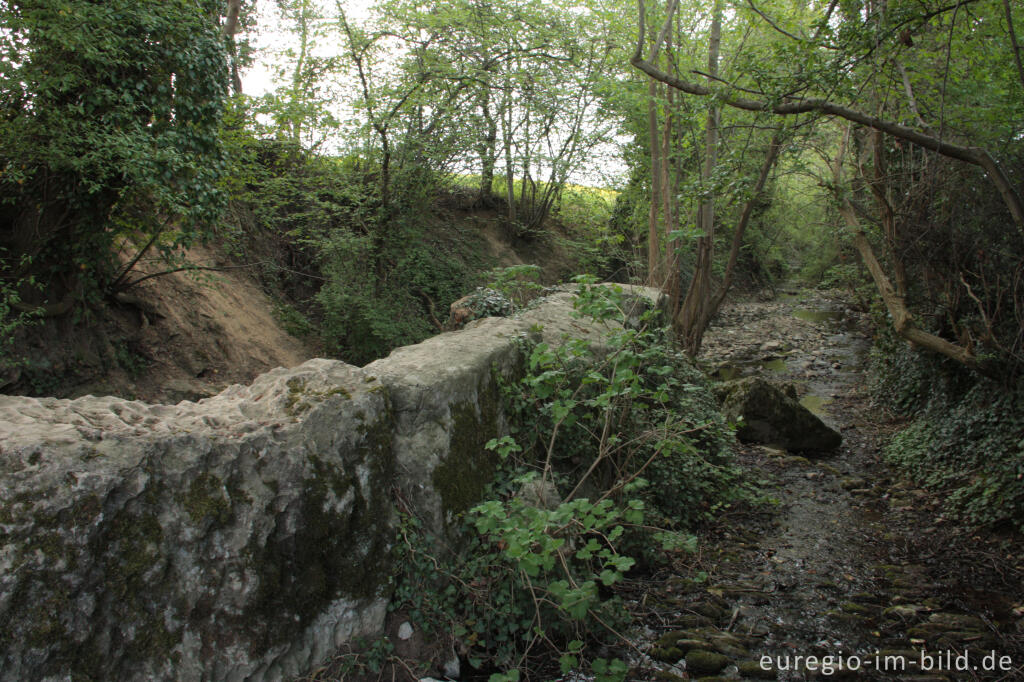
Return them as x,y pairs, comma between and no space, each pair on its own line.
966,437
109,136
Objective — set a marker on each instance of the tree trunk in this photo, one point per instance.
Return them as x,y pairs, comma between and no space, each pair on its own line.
230,30
510,169
487,152
691,318
771,156
654,277
895,302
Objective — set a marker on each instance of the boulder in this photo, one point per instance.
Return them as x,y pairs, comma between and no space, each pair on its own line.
771,415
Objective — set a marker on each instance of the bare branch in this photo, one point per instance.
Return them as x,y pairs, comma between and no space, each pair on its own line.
1013,41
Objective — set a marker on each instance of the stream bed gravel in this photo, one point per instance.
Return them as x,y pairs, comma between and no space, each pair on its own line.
849,572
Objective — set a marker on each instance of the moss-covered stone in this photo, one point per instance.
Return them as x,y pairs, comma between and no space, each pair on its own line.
709,610
113,560
701,662
666,654
854,607
469,467
333,552
692,620
301,399
671,637
206,500
957,621
755,670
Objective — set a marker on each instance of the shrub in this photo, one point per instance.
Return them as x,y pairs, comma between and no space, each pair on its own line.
615,451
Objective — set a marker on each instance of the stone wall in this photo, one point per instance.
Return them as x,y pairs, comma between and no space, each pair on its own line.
245,536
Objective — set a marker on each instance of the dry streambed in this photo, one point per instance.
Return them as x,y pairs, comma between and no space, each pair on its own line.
852,573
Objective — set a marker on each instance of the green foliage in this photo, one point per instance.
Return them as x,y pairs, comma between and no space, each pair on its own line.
111,114
644,386
965,439
12,320
376,292
291,320
519,284
364,281
573,510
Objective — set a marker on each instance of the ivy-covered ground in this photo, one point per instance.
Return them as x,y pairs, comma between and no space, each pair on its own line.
851,560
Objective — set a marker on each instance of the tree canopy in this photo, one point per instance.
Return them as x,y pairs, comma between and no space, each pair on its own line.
110,131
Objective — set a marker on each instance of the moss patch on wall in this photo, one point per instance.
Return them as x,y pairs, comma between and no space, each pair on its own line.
334,548
301,399
206,499
464,474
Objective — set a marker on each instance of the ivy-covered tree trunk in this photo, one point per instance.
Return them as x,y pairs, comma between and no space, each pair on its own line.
107,150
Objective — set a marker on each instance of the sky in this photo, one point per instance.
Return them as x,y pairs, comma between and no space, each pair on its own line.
259,79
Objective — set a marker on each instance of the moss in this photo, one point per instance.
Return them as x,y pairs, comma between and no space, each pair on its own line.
126,550
853,607
300,399
135,540
331,553
206,499
464,474
755,670
701,662
666,654
670,638
40,597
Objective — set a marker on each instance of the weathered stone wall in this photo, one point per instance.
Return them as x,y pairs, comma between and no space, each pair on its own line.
241,536
245,536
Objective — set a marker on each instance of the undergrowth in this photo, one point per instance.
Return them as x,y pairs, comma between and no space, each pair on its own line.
615,452
966,434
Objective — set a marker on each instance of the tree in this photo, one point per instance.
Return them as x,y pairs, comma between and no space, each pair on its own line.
108,136
694,304
865,46
509,87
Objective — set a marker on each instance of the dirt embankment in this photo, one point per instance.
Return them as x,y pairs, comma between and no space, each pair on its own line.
188,335
178,336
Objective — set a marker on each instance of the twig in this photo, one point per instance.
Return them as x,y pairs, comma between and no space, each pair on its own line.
189,267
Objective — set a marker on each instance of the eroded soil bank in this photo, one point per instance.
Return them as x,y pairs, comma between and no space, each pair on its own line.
851,573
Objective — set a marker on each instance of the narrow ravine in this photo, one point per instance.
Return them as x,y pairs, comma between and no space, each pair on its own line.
848,572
